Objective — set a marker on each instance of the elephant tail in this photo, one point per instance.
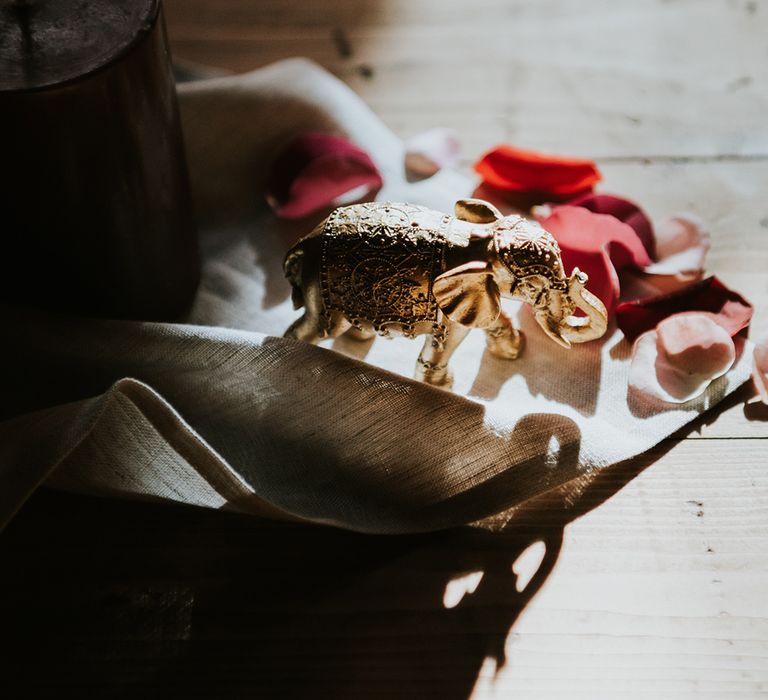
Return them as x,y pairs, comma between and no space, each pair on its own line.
292,269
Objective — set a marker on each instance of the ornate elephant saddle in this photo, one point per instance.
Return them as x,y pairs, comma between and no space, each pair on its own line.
378,261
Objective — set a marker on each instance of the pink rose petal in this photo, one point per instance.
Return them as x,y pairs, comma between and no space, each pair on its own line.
317,171
682,243
598,244
624,210
760,368
695,343
678,360
678,245
430,151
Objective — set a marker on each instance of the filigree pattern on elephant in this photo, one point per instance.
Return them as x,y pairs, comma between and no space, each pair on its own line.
377,267
391,268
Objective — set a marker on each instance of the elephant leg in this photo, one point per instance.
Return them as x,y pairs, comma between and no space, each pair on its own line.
432,365
504,340
305,328
361,333
315,324
311,329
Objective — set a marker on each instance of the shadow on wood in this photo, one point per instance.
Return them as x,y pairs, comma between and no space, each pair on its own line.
144,598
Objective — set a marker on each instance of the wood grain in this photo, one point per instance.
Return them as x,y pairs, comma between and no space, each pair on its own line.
651,580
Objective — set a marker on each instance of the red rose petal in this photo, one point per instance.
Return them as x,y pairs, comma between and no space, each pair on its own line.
517,170
597,244
639,284
727,308
316,171
624,210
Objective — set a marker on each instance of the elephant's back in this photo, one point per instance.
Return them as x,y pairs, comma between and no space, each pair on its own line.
388,222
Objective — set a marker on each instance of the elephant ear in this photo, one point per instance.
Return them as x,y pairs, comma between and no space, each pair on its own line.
476,211
468,294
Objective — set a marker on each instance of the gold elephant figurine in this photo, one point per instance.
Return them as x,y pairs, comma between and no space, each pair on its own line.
402,269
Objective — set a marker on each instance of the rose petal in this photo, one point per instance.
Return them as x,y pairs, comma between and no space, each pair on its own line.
430,151
677,361
624,210
597,244
316,171
694,343
637,284
727,308
760,368
682,243
517,170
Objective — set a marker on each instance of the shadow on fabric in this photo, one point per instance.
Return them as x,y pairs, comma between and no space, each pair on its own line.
171,602
540,362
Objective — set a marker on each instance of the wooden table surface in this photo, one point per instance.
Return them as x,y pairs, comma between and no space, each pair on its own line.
652,581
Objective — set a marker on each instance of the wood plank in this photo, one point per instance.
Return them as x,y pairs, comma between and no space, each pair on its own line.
620,76
679,611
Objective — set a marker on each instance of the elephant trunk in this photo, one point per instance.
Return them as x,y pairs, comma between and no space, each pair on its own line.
562,326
